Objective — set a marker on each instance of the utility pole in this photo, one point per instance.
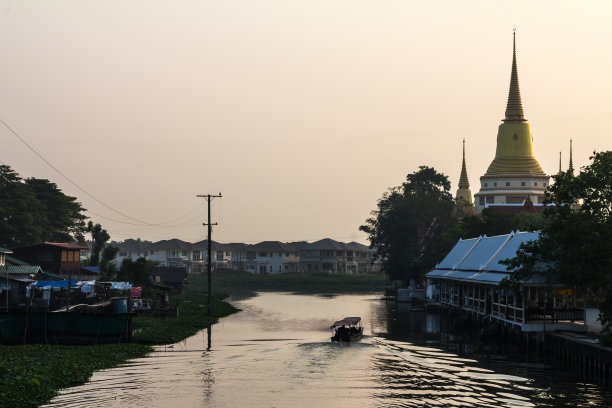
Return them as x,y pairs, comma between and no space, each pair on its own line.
209,198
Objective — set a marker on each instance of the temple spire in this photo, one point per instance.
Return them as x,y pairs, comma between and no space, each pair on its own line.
571,164
560,169
463,179
514,108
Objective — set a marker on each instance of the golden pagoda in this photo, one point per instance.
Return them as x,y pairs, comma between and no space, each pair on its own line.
514,175
463,199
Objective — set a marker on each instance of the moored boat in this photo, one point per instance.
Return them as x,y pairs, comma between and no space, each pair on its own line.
348,329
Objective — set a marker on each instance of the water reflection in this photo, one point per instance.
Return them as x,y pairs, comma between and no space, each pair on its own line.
277,352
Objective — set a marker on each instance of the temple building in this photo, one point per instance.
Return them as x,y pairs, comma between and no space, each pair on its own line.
464,204
514,177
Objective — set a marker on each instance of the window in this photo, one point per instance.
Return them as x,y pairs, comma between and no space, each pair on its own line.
515,200
481,200
228,253
195,256
122,253
507,184
522,184
495,184
262,254
219,254
184,253
486,184
544,184
535,183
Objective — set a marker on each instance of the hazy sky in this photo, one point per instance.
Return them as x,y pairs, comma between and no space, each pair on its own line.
301,113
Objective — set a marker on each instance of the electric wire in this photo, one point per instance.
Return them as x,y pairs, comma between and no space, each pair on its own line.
140,222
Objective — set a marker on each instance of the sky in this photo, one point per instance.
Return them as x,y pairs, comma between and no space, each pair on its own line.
300,113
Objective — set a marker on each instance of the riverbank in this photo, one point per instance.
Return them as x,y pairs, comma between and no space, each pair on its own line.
32,374
321,282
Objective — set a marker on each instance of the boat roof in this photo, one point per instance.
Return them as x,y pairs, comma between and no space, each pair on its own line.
347,321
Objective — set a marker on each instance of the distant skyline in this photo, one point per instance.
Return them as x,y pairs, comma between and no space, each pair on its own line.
302,114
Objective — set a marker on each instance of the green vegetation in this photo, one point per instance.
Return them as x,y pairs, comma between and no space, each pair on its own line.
574,246
296,282
35,210
414,226
31,375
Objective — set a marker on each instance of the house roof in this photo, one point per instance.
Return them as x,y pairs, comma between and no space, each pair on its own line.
20,269
132,245
91,269
478,259
214,246
55,245
14,261
170,244
272,246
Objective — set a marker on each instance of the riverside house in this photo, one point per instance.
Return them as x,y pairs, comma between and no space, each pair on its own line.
54,257
468,279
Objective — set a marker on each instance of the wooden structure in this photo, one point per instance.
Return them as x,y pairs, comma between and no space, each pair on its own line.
468,279
58,258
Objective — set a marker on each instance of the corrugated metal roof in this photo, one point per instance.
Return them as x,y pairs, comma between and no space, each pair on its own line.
480,255
20,269
509,250
477,259
461,248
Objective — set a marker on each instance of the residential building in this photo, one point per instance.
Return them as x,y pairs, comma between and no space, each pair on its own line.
271,257
58,258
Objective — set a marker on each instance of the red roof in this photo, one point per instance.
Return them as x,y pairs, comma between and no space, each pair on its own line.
64,245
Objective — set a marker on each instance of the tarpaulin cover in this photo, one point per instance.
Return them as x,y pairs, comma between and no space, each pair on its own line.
54,284
121,285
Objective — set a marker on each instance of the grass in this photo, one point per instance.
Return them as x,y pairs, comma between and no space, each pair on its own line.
320,282
32,375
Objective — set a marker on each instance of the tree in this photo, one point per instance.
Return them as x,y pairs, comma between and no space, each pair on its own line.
99,237
405,214
35,210
138,272
575,243
107,268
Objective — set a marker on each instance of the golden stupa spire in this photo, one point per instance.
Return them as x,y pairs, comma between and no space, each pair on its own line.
514,108
463,179
571,164
514,152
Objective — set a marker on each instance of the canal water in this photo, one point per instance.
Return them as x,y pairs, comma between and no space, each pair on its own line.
277,352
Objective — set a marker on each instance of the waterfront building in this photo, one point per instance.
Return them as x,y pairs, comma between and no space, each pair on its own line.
468,279
514,176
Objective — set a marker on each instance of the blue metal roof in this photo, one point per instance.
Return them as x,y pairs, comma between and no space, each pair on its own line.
477,259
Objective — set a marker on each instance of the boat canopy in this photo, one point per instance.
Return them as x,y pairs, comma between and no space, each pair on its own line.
347,321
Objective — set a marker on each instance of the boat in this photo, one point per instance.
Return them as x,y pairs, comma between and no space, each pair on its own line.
348,329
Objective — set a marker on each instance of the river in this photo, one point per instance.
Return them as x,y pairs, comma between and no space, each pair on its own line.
277,352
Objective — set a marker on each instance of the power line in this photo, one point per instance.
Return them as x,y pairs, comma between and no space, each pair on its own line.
143,223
